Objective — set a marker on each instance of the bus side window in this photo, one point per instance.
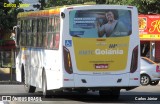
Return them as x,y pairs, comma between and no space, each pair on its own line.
24,33
45,26
52,35
21,30
39,33
57,35
50,25
29,33
34,32
49,41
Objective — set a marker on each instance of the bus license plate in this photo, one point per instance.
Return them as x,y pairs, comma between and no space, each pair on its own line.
101,66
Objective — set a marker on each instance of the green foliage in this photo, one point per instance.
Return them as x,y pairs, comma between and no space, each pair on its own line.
146,6
8,16
100,1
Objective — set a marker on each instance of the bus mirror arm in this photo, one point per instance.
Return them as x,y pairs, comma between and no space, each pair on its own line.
15,35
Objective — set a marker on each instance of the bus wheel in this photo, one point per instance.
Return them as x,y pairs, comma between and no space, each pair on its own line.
112,94
82,91
46,93
29,88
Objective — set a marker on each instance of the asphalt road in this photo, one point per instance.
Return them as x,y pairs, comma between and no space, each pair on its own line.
142,94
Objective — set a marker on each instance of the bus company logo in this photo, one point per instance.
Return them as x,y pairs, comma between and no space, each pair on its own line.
108,51
117,45
101,52
68,43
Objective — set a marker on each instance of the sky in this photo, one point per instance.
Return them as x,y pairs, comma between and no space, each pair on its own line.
31,2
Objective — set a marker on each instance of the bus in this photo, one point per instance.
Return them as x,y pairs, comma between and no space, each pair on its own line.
79,48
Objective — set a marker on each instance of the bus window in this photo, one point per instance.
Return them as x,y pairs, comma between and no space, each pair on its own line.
97,23
29,33
50,40
53,37
39,32
34,32
57,33
50,25
45,26
24,32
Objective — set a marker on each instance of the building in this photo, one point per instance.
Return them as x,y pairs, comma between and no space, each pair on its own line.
149,31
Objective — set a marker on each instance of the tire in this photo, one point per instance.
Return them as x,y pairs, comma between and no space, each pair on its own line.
46,93
83,91
145,80
154,83
112,94
28,88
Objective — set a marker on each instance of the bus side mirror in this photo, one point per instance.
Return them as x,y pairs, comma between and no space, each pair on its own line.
16,35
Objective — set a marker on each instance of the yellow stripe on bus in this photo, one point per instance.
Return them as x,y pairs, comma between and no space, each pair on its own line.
39,13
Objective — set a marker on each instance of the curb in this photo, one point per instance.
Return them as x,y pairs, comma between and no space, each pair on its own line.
10,83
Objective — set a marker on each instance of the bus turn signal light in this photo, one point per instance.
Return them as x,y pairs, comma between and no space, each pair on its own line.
134,61
67,60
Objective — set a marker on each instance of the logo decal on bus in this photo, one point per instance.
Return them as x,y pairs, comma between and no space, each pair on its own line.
68,43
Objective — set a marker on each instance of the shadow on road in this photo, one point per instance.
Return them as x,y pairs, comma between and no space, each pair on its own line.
95,98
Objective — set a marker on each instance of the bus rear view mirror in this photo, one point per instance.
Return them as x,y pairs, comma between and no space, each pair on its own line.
16,35
62,15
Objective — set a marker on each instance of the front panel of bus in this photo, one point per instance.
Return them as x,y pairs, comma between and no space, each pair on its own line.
100,46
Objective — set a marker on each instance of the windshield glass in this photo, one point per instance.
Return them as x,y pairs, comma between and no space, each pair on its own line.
100,23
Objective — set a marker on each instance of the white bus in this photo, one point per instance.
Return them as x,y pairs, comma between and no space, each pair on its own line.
79,48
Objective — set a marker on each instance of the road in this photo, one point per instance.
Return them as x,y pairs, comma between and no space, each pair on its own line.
140,94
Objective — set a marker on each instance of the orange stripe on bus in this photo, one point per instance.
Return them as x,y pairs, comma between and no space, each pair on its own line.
39,13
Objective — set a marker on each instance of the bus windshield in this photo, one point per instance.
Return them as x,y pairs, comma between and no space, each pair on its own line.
100,23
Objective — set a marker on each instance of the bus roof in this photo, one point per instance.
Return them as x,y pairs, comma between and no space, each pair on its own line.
47,12
52,11
39,13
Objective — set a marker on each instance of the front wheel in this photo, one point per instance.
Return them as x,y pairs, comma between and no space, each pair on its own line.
154,83
28,88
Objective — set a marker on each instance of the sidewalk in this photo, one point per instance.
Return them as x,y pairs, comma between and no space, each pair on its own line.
10,82
8,76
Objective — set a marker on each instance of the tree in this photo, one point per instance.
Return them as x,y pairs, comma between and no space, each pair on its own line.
100,1
146,6
8,16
